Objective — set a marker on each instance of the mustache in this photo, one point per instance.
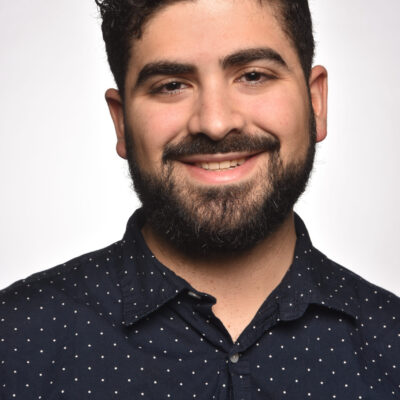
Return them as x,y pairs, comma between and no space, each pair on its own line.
234,142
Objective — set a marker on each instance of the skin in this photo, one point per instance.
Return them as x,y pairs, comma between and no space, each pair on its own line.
218,101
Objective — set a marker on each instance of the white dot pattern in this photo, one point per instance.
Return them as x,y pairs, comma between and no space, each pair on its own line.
117,324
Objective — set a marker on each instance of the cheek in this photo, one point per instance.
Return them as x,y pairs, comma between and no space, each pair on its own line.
152,129
285,115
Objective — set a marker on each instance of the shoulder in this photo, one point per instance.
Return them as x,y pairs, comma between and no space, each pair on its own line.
369,297
49,314
376,310
62,284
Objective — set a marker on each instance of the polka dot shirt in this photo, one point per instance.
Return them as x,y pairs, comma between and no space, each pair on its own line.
117,324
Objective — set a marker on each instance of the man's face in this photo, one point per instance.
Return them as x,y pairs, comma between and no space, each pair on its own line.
218,126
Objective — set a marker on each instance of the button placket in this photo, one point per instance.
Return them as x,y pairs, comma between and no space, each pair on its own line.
240,377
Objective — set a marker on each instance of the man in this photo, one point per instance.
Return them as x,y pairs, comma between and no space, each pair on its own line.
215,291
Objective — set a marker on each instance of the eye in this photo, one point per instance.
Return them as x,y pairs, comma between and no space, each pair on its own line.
169,88
255,77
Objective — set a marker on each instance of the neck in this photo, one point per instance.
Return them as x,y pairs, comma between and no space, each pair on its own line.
240,283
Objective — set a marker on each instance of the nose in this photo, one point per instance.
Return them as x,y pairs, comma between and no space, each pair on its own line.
216,113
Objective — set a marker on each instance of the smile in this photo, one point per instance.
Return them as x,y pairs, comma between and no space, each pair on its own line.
215,169
219,166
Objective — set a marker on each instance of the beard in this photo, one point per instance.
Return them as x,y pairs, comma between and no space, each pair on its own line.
219,221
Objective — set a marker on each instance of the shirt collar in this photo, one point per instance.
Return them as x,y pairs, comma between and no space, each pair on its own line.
313,279
146,284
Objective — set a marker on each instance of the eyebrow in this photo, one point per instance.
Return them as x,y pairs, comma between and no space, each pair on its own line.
238,58
245,56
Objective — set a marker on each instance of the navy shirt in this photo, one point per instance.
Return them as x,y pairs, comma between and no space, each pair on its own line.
117,324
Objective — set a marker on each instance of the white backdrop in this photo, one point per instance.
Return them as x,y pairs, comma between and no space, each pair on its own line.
64,191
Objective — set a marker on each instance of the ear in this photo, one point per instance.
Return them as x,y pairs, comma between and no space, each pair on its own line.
319,99
115,105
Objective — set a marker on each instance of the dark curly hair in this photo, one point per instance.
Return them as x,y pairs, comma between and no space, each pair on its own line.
123,21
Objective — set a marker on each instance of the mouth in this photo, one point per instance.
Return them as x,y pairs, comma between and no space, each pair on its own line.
221,168
218,162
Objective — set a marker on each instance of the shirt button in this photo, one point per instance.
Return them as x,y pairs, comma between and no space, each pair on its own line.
234,358
195,295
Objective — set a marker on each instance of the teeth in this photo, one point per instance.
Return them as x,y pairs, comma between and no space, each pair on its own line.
224,165
215,166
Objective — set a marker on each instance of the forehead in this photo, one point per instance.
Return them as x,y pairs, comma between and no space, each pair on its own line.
202,30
